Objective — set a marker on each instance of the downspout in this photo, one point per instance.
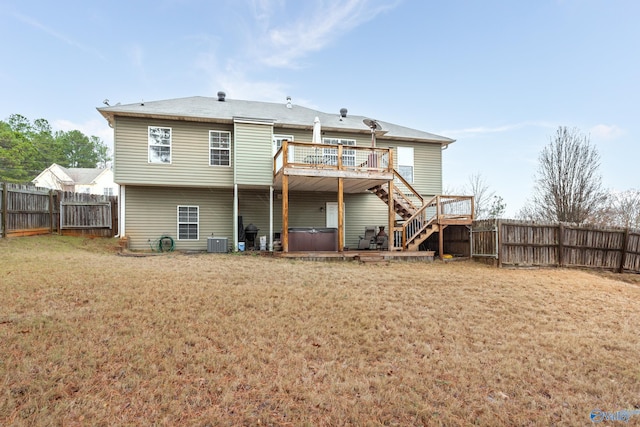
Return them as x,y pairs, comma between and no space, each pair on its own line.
271,218
121,202
235,191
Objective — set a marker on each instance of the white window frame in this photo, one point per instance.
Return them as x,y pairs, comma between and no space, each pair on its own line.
277,143
212,148
189,221
107,191
348,156
159,141
406,164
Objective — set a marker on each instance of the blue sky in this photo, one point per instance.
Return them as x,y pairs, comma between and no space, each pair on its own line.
498,76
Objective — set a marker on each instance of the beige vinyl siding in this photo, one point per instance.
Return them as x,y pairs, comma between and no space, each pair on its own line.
307,209
427,168
253,207
363,210
427,165
189,155
254,153
151,212
303,135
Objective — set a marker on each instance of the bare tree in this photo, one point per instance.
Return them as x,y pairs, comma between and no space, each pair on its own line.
477,186
623,209
568,184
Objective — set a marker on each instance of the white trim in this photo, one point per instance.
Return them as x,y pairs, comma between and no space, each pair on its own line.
121,202
149,145
220,149
252,121
188,222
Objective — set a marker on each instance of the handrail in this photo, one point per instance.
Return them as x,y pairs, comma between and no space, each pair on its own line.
337,157
397,175
446,207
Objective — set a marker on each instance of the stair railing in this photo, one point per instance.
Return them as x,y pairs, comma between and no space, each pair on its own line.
419,221
406,191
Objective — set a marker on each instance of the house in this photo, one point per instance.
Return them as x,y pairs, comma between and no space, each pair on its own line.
79,180
200,167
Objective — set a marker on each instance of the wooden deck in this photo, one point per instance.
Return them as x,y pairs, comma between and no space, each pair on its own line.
362,256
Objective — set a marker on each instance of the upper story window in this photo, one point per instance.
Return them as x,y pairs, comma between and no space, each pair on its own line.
159,145
348,156
405,163
219,148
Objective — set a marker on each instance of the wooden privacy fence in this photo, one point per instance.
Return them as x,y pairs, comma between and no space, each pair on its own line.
26,210
524,244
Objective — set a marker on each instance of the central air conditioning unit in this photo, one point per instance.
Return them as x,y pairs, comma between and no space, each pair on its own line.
217,245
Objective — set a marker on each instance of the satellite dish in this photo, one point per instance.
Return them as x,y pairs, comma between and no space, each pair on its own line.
374,126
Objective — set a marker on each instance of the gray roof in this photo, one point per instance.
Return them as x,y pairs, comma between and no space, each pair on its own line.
209,109
83,176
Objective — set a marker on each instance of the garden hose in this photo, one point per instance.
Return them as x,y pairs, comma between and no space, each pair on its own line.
166,244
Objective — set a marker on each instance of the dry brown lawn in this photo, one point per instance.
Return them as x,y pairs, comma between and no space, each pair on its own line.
89,337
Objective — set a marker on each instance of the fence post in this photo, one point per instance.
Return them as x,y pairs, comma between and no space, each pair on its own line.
5,208
561,245
50,211
499,242
625,243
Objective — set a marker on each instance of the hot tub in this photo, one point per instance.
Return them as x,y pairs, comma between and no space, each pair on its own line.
313,239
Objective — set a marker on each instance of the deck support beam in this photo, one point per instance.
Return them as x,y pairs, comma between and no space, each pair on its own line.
285,213
340,214
392,217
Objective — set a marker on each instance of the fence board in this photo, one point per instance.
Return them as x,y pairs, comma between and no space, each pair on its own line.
28,210
523,243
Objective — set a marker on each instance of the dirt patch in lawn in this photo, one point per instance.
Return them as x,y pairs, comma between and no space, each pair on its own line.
92,338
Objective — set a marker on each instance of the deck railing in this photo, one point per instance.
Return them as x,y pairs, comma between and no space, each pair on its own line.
336,157
440,210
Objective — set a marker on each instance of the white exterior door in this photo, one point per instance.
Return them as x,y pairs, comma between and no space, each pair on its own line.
331,211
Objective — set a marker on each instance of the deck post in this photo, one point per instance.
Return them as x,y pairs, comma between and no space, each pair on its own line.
441,241
392,215
340,215
285,213
5,208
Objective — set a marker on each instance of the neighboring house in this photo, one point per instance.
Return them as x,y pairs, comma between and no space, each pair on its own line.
197,167
79,180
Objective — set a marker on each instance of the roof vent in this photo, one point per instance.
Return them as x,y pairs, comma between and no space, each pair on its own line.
289,102
343,112
221,96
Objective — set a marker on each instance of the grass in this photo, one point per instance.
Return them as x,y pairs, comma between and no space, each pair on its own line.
93,338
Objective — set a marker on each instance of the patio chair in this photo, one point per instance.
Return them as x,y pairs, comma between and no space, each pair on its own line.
368,239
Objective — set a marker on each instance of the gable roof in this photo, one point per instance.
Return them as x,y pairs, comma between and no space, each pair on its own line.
72,176
84,176
209,109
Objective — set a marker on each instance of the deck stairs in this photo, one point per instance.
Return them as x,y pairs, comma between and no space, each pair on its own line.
420,218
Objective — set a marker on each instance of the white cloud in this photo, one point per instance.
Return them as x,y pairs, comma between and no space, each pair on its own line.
311,32
606,132
62,37
483,130
270,44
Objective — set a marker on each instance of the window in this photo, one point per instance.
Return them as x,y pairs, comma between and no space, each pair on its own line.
108,191
277,143
331,154
188,223
159,145
405,163
219,148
